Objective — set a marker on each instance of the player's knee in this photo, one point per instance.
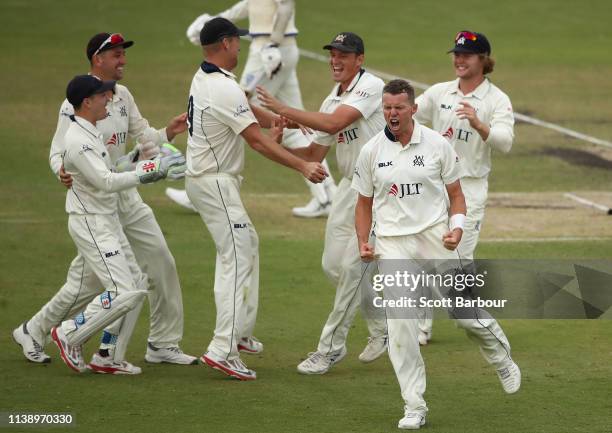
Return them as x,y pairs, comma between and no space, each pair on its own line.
331,267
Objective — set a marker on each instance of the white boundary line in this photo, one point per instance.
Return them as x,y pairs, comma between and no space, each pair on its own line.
589,203
551,239
519,116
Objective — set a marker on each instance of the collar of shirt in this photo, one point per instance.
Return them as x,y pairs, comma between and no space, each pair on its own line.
87,126
351,86
480,91
209,68
414,139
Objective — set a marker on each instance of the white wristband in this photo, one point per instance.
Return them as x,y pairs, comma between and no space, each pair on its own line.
457,221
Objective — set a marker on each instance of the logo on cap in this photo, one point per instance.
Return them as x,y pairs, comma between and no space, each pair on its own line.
340,38
461,41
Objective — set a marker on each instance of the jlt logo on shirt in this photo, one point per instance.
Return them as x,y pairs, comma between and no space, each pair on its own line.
405,189
117,139
348,136
462,134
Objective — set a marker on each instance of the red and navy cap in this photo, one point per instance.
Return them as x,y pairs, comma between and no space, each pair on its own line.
471,42
106,41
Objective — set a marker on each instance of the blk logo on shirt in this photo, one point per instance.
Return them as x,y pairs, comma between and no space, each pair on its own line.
405,189
385,164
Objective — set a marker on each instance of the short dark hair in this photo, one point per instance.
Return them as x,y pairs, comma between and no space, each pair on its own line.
395,87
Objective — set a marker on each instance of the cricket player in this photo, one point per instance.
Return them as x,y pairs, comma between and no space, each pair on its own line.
220,120
107,56
93,223
475,116
348,118
405,173
271,63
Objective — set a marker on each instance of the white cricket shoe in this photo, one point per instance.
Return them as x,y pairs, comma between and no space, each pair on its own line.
319,363
31,349
313,209
411,421
179,196
106,365
250,345
169,355
71,355
510,377
234,368
424,338
375,348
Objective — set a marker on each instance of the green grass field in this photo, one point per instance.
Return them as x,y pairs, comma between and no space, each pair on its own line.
551,60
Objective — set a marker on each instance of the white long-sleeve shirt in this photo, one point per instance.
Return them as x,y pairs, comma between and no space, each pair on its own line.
437,106
94,186
124,120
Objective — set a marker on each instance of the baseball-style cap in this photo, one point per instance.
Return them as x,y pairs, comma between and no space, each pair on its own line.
347,42
219,28
106,41
84,86
471,42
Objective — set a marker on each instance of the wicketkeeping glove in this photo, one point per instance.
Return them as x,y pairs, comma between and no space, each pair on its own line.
158,168
126,162
146,150
271,59
177,170
194,29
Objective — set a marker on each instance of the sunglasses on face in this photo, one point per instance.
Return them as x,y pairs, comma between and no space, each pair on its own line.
114,39
467,35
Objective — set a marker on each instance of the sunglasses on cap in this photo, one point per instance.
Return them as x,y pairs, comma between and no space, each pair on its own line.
114,39
467,35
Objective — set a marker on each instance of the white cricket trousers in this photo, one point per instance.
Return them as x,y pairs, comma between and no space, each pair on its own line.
475,191
404,350
155,259
343,266
107,259
217,199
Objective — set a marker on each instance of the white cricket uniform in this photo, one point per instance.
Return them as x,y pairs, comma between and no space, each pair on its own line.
139,225
341,261
407,184
218,112
265,17
437,106
93,223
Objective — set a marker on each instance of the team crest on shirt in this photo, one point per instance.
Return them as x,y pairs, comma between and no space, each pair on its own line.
240,110
418,161
362,93
123,111
85,148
